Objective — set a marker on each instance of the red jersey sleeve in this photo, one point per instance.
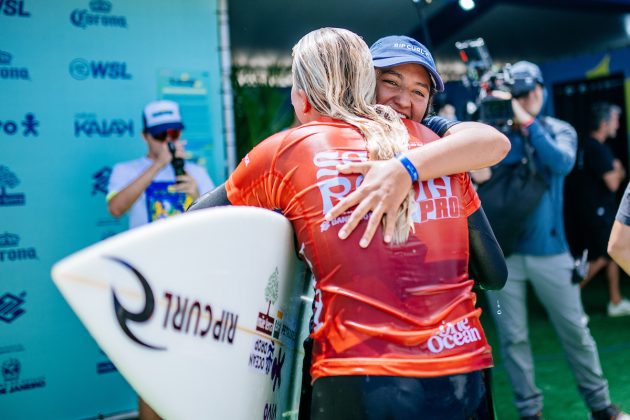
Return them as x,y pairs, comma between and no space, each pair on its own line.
471,200
256,181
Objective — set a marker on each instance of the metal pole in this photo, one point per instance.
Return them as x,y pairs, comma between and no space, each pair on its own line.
226,85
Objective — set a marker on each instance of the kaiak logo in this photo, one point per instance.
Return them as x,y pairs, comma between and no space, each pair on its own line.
98,15
89,125
183,315
14,253
82,69
13,8
9,72
9,180
11,307
101,180
29,126
11,372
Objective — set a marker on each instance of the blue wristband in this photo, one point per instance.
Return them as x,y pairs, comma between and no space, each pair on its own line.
411,169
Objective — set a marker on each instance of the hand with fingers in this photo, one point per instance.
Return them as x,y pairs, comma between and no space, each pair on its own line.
385,186
186,184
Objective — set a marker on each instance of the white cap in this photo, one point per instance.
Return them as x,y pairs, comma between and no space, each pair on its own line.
160,116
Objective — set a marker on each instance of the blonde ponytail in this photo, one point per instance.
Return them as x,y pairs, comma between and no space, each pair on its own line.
334,68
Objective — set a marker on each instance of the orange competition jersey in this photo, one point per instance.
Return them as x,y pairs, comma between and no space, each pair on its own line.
404,310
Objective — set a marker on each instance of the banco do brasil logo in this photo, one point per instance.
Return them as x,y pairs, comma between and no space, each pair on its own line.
7,71
98,15
11,307
82,69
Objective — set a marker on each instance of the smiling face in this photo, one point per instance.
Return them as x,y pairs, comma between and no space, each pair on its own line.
406,88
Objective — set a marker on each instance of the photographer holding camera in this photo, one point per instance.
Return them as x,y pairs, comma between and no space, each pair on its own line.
541,255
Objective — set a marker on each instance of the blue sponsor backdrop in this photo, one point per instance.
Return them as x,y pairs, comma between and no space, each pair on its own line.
74,77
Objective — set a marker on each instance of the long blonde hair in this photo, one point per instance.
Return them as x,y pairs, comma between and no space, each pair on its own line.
334,68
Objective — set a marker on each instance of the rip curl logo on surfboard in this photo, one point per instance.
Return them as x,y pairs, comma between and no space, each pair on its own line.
183,315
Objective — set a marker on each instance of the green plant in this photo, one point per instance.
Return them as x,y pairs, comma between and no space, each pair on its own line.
261,108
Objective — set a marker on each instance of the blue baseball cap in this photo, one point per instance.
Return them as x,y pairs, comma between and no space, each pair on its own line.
395,50
526,76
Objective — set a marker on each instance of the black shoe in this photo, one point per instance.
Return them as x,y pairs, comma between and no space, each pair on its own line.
612,412
537,416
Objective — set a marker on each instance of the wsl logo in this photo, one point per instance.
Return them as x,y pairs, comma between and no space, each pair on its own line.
13,252
99,16
13,8
89,125
82,69
9,72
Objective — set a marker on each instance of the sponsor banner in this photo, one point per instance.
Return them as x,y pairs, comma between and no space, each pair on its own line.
77,74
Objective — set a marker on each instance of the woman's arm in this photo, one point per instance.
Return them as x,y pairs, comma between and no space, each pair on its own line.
466,146
487,263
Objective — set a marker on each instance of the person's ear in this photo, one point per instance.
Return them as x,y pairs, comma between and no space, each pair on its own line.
304,102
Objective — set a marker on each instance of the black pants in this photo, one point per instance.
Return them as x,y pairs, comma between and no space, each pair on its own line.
393,397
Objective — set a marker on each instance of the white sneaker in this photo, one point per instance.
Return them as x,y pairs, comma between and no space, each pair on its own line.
620,309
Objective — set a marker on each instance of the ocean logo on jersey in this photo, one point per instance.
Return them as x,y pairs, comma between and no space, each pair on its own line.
451,336
100,180
9,180
12,372
12,127
183,315
11,307
89,125
8,72
82,69
435,200
98,15
14,8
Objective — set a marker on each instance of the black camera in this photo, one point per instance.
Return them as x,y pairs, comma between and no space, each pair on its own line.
483,79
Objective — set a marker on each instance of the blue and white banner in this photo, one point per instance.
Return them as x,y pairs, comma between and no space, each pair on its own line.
74,78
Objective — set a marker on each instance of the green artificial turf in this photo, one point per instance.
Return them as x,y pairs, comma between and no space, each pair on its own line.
553,376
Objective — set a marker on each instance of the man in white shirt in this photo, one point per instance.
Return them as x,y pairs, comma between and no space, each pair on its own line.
147,188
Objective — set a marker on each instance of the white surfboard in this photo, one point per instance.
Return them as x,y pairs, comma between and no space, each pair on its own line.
201,313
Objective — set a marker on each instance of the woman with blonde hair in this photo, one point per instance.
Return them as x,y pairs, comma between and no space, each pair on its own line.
395,329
